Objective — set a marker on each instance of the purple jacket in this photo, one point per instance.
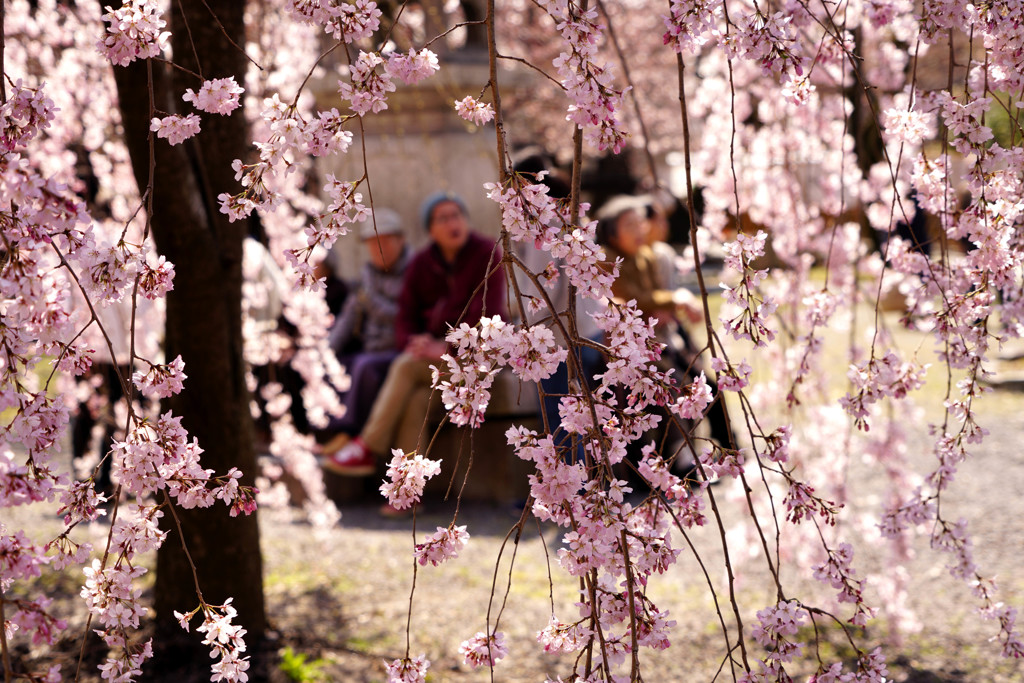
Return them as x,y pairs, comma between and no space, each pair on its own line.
435,294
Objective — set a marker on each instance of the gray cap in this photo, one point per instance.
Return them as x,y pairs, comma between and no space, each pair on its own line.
388,223
431,202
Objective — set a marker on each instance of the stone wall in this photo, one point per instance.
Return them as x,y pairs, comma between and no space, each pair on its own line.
417,146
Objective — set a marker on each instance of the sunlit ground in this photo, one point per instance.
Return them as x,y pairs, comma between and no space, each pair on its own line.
340,599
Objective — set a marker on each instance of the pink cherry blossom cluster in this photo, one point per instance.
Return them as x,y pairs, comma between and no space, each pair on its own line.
22,115
474,111
693,400
465,385
350,21
561,637
871,668
837,571
940,16
483,649
751,322
963,121
407,475
530,215
802,503
224,639
162,380
818,310
346,207
878,377
770,40
775,629
112,598
288,138
443,545
346,21
723,462
478,353
408,670
80,502
155,280
134,31
176,128
413,67
908,126
108,271
594,99
1003,67
20,560
555,481
217,96
368,88
731,377
325,136
687,508
689,22
777,444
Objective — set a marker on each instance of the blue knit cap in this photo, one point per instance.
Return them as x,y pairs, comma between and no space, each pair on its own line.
431,202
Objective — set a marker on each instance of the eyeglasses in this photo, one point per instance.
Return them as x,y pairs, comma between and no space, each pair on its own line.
445,216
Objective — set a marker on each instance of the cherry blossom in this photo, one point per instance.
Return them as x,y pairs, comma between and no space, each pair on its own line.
483,649
472,110
176,129
368,89
444,544
217,96
134,32
408,670
769,89
162,380
407,475
413,67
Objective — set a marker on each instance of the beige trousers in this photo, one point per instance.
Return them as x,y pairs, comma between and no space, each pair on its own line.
399,413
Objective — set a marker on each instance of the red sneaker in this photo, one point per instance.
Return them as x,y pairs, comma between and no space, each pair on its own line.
335,443
354,459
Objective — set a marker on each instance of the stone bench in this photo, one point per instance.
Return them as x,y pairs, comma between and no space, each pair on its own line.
477,464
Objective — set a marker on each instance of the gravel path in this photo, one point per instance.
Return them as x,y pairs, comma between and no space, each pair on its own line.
341,597
355,596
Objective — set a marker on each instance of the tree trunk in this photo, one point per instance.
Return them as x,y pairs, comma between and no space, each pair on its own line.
203,319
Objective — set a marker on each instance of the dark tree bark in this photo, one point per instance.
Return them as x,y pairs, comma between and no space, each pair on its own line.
203,317
868,147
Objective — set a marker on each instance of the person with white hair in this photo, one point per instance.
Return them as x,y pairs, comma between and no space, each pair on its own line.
363,334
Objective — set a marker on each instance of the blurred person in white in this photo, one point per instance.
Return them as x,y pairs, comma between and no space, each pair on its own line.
657,207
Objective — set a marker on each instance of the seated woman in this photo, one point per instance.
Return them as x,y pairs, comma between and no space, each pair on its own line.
622,230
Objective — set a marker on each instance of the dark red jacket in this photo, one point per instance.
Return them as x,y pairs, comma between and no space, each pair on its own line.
435,294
